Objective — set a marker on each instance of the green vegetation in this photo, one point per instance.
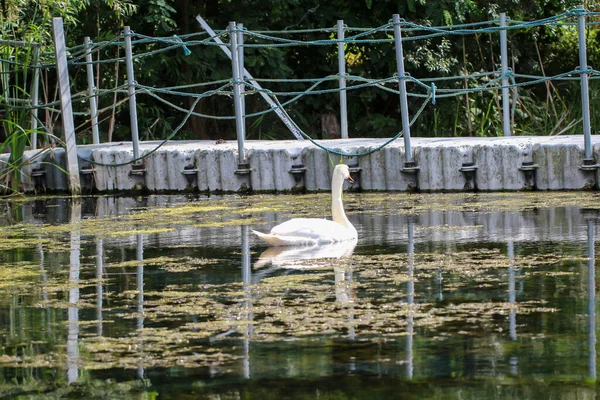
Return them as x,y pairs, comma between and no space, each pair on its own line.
544,109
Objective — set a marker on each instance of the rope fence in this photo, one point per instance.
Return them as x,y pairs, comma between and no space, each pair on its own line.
241,85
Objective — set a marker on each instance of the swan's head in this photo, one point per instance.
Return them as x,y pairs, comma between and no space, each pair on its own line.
344,171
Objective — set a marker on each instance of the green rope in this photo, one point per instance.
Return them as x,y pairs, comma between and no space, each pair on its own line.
172,135
356,154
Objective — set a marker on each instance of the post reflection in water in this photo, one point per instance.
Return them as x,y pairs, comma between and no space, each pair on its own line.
139,255
591,299
540,290
249,316
512,299
99,286
410,299
73,311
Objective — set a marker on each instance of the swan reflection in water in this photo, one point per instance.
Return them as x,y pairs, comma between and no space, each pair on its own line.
305,257
313,257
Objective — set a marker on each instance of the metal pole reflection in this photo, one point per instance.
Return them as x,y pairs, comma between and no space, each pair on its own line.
139,255
591,299
247,282
73,311
410,299
512,299
99,287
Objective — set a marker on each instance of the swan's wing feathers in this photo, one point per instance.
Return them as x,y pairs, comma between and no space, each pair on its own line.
306,227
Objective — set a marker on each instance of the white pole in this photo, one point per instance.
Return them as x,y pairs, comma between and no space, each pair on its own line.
237,96
402,85
342,72
131,90
91,91
504,66
585,94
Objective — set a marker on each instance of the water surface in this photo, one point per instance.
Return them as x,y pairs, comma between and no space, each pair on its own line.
460,296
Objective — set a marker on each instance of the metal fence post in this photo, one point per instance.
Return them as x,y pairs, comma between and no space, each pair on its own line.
60,51
504,69
237,97
240,40
35,95
278,111
402,84
131,90
342,73
91,90
585,95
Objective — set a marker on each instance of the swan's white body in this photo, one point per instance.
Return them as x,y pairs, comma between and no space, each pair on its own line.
315,231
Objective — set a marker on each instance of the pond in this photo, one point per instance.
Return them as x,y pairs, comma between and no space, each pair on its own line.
458,296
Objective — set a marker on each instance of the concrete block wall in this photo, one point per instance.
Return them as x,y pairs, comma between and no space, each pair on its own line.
444,164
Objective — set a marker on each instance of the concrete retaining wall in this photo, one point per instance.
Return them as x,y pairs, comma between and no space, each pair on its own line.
444,164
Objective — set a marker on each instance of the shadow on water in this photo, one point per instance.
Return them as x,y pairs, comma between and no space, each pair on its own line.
490,296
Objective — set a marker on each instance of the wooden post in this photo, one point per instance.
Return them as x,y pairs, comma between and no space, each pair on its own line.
60,50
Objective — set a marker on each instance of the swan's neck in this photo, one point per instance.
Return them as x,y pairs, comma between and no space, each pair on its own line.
337,206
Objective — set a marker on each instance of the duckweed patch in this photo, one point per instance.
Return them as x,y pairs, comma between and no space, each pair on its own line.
74,293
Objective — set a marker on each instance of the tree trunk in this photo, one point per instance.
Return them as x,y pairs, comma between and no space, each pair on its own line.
330,126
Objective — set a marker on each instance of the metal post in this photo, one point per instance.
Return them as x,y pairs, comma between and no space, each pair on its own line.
60,51
342,72
91,90
278,111
131,90
35,97
237,98
240,41
504,65
585,95
402,85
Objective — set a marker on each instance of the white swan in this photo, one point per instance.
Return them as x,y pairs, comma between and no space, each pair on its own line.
314,231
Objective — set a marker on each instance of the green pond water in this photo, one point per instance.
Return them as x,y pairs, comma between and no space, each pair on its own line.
458,296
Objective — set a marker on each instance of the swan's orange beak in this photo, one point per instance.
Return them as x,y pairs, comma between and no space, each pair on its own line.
350,179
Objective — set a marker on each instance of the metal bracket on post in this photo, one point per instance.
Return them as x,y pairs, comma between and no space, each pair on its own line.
298,171
529,169
469,169
66,106
355,172
589,164
39,175
409,165
137,168
190,173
